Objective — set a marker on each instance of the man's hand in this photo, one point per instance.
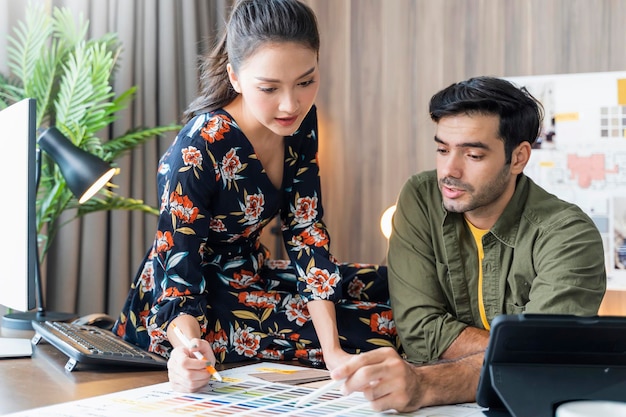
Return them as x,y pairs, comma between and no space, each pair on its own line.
391,383
384,378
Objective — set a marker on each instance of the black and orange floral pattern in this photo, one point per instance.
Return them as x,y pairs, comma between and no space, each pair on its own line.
207,260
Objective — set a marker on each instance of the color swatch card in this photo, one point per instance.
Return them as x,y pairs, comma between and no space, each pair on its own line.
240,394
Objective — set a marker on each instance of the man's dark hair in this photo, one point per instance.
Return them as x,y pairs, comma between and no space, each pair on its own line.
520,113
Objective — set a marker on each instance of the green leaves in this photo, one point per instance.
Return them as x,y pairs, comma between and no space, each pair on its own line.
65,28
116,147
31,38
112,201
52,60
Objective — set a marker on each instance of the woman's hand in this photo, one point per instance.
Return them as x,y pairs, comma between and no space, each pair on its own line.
335,357
324,319
187,373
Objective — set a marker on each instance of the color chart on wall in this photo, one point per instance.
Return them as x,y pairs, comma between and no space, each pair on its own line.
580,153
239,395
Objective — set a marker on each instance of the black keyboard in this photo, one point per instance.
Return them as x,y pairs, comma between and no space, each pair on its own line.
94,346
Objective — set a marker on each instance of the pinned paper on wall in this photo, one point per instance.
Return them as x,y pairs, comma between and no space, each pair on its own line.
580,154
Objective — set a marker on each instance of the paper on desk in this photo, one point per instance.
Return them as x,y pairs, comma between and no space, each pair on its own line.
239,395
15,347
293,377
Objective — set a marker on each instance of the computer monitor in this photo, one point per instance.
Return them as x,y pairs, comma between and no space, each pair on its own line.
18,246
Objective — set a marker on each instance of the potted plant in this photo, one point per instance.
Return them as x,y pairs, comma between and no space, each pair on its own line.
50,59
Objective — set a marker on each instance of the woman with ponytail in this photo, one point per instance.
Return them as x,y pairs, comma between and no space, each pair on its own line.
248,153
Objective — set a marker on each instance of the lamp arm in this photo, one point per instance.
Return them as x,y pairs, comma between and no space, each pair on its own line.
52,225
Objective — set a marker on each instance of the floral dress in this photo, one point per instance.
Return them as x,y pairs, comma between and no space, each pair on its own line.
207,260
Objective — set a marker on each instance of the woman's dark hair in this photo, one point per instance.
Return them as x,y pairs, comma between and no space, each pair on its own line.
520,113
251,24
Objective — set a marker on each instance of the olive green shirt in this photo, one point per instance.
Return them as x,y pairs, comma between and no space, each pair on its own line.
543,255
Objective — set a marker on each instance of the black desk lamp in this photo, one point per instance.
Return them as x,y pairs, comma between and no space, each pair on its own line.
85,174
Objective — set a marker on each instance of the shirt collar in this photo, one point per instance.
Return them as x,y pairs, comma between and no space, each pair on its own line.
507,225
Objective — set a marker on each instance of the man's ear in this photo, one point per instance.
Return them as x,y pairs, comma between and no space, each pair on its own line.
232,76
520,157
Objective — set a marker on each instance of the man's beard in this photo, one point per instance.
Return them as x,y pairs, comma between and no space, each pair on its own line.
486,195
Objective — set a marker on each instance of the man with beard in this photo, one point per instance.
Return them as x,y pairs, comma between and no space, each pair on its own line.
474,239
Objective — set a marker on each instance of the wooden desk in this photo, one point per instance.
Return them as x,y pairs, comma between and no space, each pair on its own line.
42,380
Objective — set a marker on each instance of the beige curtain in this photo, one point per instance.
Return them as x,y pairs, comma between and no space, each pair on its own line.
93,260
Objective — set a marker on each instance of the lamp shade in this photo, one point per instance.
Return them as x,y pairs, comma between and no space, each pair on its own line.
84,173
385,221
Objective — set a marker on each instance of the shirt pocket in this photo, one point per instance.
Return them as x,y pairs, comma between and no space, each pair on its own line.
517,295
514,309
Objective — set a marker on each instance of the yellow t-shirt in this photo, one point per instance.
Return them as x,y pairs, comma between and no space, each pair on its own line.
478,238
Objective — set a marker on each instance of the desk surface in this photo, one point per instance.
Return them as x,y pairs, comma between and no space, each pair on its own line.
42,380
